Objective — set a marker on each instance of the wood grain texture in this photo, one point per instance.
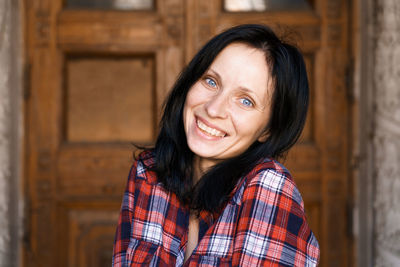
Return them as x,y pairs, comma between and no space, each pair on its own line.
79,153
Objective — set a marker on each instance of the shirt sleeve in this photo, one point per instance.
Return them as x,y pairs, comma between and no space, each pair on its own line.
272,228
123,232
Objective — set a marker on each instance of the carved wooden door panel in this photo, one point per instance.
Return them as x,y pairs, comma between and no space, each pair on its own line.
99,71
319,162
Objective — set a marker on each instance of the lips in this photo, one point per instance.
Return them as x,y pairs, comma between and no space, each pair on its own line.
209,130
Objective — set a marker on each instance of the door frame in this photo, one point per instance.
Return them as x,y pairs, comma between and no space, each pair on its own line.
362,132
364,107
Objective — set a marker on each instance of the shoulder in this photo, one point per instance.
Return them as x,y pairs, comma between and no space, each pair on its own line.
142,168
272,216
271,177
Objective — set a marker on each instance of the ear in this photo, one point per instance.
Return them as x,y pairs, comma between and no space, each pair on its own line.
263,137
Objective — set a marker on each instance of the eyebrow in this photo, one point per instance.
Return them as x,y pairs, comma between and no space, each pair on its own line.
242,88
215,73
252,94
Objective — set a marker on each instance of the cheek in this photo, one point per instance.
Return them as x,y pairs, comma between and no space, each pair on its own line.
190,102
191,97
200,93
186,111
250,126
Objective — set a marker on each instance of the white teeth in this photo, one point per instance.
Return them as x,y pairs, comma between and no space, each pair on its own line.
210,131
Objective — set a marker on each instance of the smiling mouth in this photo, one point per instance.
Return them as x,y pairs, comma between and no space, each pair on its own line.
209,130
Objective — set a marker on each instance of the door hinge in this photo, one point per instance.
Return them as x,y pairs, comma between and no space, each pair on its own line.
27,81
26,237
350,219
349,77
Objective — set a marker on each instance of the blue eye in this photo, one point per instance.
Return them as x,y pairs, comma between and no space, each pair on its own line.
246,102
211,82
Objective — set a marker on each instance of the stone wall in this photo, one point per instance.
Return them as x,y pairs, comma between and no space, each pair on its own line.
4,131
383,109
10,133
386,80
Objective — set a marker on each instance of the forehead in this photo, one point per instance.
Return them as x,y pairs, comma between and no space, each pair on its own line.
241,65
242,56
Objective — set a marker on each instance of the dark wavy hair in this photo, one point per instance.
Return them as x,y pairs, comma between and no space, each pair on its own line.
174,160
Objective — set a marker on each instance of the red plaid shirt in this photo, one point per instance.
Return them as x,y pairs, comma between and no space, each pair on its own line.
263,224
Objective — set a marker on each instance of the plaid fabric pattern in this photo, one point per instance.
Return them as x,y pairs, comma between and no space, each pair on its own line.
263,224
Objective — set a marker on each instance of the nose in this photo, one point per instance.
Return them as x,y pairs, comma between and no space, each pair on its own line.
217,106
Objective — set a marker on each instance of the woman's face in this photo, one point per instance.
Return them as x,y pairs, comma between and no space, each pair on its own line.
228,108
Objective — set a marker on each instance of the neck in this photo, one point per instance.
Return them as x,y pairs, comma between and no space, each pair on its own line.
198,170
201,165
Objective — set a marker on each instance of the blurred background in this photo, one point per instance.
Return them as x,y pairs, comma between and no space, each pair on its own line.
80,81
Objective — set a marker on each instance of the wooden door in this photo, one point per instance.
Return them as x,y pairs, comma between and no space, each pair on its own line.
98,76
319,162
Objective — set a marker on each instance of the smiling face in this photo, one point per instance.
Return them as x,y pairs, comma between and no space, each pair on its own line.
228,108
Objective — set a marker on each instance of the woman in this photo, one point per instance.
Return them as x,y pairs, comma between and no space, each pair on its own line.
211,191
